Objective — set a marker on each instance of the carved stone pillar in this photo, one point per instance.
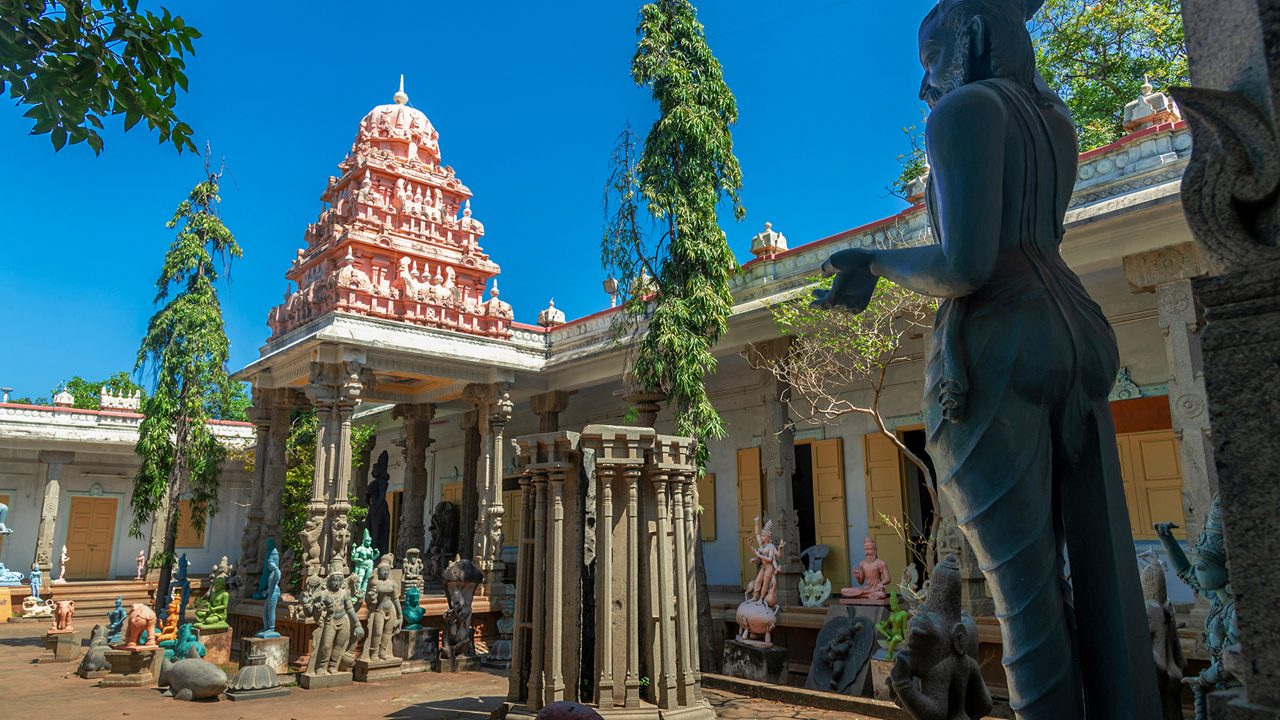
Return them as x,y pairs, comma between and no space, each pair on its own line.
52,463
468,515
273,471
250,563
417,438
481,398
499,415
334,390
778,467
548,406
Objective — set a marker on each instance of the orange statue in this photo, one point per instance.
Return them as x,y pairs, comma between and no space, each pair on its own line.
170,629
872,575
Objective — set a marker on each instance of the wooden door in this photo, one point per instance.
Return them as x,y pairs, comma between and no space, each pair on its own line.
451,492
830,525
1152,469
707,500
91,533
884,500
750,506
512,507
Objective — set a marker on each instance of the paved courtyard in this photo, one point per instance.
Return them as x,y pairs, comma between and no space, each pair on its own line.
60,694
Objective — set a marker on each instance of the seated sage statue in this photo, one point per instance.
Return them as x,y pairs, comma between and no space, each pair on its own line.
412,610
211,609
115,621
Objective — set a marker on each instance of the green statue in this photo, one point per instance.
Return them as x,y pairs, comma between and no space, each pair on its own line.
362,557
894,628
211,609
412,609
183,644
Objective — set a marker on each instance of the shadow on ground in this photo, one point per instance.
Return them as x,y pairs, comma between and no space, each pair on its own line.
470,707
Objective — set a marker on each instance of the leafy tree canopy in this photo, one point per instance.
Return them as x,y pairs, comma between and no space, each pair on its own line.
75,62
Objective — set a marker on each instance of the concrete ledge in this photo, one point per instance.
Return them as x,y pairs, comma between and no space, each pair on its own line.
809,698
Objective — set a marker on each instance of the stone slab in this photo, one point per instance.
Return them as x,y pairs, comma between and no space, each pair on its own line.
768,665
308,681
217,645
377,670
864,601
276,650
60,647
281,691
419,648
466,663
131,668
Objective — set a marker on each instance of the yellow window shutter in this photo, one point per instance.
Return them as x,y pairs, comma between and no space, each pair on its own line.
750,506
884,500
831,527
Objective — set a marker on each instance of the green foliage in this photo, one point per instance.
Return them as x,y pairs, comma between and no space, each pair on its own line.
914,162
231,404
28,400
680,282
87,393
1095,53
75,62
186,349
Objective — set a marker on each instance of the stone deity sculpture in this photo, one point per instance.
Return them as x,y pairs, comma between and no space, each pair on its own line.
412,611
412,577
444,538
872,575
115,621
309,536
94,663
142,564
1162,621
385,619
1206,573
378,523
460,582
936,676
814,587
62,567
336,622
270,571
893,629
211,609
35,580
1020,364
362,557
140,628
4,514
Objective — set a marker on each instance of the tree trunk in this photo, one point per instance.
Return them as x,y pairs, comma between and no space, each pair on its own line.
170,549
710,632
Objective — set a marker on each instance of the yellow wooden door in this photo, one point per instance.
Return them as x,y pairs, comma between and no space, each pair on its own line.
829,523
1152,470
511,507
750,506
91,533
884,501
451,493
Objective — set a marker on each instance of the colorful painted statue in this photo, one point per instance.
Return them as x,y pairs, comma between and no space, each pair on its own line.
384,613
183,585
62,567
872,575
271,571
362,557
63,611
115,621
894,627
35,580
765,585
4,514
10,578
140,628
936,676
412,610
336,623
184,643
211,609
1163,623
169,631
261,592
142,564
1206,573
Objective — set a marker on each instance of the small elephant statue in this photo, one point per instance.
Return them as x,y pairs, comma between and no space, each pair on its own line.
63,611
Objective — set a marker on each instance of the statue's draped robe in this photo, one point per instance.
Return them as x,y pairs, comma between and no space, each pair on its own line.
1021,433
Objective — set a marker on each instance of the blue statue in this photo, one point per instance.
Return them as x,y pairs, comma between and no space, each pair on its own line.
4,513
115,622
182,645
270,573
185,584
261,592
412,611
10,578
35,580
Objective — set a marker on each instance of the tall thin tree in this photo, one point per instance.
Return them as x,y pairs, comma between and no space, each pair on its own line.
186,351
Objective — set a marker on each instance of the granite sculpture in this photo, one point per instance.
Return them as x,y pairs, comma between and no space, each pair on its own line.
461,579
412,611
814,587
35,580
1019,367
62,567
211,609
1162,621
255,680
94,663
4,515
362,558
192,678
10,578
936,676
142,565
872,574
115,620
263,580
378,523
140,628
840,653
336,623
444,538
412,570
184,643
893,629
63,612
1206,572
270,571
384,617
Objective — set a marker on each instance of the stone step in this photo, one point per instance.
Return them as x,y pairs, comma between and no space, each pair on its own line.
95,598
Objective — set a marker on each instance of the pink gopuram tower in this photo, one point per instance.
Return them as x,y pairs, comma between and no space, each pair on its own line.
391,243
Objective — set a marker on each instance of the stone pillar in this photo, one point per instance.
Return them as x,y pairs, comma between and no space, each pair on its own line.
554,684
522,639
334,390
468,515
1230,198
778,467
548,406
53,462
499,415
250,563
273,472
1167,272
417,438
537,576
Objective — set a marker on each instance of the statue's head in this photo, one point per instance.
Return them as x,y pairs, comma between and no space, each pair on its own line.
1209,561
119,602
334,581
366,541
938,629
411,554
273,559
384,570
219,584
412,597
963,41
185,633
869,548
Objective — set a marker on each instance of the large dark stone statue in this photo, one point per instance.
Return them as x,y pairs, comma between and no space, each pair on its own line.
1019,368
460,582
375,497
444,538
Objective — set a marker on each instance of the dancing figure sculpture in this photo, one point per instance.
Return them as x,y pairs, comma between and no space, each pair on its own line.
335,617
1019,367
385,616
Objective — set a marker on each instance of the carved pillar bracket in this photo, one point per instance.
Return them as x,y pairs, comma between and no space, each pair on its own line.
548,406
778,466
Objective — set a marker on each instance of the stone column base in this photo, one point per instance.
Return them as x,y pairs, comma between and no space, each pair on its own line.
377,670
464,663
61,646
419,648
217,645
276,650
132,668
762,664
311,681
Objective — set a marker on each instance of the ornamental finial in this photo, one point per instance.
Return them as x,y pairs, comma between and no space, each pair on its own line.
400,97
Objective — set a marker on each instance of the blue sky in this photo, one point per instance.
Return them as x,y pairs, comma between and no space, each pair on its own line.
527,98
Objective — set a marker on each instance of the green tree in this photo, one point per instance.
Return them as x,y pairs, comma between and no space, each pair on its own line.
186,349
1096,54
75,62
87,393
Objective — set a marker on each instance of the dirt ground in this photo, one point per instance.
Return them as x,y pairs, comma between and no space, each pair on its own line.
52,691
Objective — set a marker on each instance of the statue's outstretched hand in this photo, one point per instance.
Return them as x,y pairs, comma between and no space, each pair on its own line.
853,285
1165,529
